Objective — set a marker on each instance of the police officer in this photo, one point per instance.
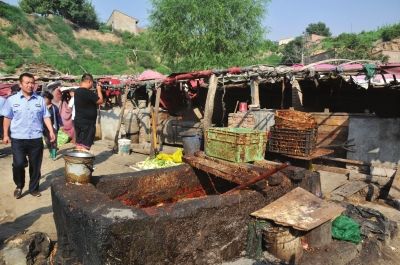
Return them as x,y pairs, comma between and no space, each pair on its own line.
24,114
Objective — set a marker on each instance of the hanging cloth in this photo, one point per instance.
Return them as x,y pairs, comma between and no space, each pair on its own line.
370,70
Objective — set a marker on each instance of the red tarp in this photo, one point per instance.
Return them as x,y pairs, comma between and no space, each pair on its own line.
150,75
193,75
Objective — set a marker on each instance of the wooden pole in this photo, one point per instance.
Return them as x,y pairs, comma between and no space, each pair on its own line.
282,92
121,116
255,94
209,108
154,122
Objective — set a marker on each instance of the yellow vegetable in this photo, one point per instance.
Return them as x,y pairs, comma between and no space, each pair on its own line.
176,157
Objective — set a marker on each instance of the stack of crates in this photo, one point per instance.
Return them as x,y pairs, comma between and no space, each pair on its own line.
236,144
294,133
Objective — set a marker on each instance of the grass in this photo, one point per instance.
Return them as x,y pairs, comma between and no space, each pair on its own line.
18,19
12,55
66,53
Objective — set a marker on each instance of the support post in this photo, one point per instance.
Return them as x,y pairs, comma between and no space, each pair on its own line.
209,107
255,93
154,121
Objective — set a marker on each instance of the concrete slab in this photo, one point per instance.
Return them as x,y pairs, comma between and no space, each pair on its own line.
331,181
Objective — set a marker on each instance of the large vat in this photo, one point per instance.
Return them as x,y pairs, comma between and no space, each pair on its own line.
168,216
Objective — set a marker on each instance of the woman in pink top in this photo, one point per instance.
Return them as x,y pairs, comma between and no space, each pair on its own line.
66,114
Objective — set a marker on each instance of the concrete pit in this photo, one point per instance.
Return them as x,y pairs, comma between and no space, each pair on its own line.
169,216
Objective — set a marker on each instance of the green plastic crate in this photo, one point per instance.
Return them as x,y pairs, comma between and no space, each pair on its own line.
236,144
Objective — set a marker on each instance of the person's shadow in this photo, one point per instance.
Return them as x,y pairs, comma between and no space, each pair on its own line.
22,223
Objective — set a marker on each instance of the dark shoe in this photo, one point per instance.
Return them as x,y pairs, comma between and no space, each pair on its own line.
17,193
36,193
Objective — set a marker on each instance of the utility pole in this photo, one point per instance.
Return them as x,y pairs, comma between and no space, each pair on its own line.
303,44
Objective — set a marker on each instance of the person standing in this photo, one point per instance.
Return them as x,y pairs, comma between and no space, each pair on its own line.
24,114
2,101
56,124
86,103
66,114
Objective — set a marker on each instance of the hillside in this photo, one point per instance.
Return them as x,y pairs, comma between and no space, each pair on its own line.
32,39
365,45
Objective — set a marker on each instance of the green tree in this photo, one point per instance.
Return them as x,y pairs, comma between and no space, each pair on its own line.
193,34
391,32
292,52
42,7
318,28
81,12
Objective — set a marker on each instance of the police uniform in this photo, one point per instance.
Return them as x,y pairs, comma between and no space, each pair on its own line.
26,129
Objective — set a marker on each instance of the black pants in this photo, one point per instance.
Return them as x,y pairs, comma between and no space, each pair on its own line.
85,133
21,148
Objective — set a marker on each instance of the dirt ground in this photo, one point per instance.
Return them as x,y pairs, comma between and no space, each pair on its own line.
34,214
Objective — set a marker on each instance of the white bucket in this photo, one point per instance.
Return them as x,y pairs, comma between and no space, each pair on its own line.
124,146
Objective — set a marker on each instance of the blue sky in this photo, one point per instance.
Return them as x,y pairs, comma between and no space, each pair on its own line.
287,18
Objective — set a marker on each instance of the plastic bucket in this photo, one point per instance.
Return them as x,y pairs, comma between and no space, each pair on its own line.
78,167
124,146
191,143
243,106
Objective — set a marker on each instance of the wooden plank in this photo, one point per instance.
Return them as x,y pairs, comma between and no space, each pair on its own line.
246,168
394,191
299,209
316,154
216,169
348,161
332,138
350,188
332,128
338,170
331,120
331,181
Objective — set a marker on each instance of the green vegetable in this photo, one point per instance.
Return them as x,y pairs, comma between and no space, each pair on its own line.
155,163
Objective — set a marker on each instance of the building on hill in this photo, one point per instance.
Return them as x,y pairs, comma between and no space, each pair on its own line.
285,41
123,22
314,38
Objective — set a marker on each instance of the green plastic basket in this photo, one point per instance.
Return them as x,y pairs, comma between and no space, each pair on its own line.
236,144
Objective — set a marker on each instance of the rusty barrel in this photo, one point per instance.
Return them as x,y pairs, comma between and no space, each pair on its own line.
78,167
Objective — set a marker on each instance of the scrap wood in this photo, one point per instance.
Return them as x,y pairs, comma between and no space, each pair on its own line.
318,153
246,168
258,178
217,169
331,181
349,189
299,209
348,161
